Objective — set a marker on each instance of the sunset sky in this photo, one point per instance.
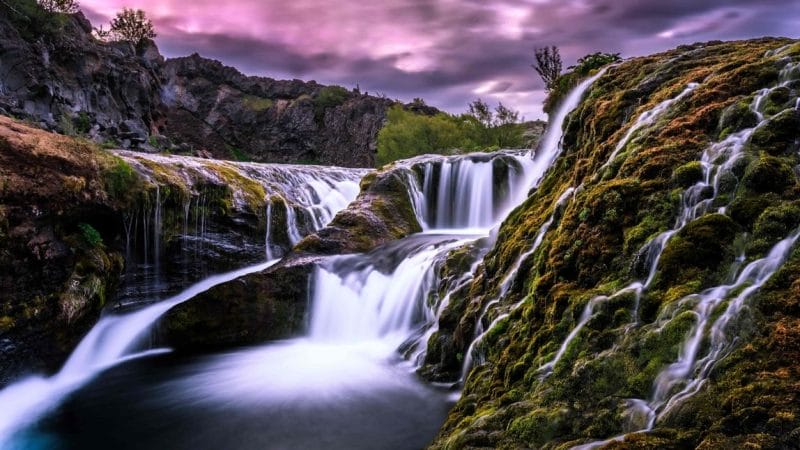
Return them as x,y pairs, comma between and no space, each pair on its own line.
445,51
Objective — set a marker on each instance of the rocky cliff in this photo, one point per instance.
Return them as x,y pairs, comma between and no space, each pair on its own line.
61,78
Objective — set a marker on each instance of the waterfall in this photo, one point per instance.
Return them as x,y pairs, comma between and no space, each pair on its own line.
109,342
548,150
363,307
689,369
318,192
310,195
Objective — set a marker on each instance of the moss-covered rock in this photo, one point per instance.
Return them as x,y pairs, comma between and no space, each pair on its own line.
778,136
737,117
769,174
382,212
61,204
687,174
597,247
698,251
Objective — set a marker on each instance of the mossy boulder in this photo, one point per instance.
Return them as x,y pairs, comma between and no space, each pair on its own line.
774,224
737,116
382,212
687,174
769,174
698,250
778,137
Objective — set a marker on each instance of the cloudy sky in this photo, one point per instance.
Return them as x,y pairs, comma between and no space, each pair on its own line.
445,51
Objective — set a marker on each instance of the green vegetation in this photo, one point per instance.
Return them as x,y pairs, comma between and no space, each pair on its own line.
257,104
586,66
328,97
591,63
90,235
408,134
238,154
35,19
121,180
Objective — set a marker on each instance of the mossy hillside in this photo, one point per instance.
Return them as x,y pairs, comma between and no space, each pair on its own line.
593,247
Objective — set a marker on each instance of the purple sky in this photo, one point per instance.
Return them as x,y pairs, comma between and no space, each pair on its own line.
445,51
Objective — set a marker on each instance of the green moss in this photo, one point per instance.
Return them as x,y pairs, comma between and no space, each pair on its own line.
698,251
328,97
737,116
777,137
90,235
769,174
775,223
122,182
540,426
257,104
687,174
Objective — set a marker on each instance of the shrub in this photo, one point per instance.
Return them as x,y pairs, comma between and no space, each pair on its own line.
594,61
328,97
586,66
90,235
548,65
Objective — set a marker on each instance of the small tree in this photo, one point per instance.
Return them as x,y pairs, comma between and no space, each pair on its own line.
505,115
548,65
480,110
132,26
59,6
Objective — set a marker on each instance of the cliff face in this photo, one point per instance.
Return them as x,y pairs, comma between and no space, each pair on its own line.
217,109
114,93
661,308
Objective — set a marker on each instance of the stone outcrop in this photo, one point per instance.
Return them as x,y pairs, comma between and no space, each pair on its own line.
63,79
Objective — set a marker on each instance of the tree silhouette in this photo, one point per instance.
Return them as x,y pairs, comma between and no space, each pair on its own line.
548,65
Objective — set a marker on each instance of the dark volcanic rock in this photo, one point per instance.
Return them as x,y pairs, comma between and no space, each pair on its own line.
76,85
251,309
65,80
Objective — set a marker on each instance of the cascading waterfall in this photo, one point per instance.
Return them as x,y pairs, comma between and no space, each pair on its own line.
115,338
689,370
364,307
505,285
647,119
310,196
548,150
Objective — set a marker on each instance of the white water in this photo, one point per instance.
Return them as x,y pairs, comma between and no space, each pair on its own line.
647,119
112,341
547,151
320,193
